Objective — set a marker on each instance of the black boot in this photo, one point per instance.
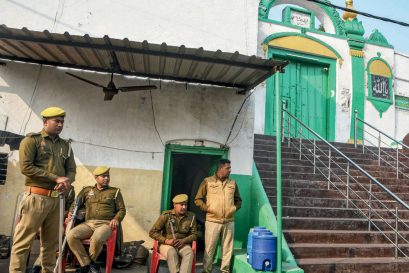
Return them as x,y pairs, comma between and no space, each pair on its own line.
36,269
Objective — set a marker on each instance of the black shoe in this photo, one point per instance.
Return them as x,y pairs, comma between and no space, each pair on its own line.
83,269
36,269
94,268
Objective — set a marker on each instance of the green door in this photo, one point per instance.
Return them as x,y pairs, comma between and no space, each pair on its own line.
304,87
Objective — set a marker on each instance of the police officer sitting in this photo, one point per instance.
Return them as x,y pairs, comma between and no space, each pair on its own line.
104,209
175,230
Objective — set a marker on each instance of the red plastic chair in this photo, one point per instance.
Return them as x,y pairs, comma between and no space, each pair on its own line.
110,245
157,257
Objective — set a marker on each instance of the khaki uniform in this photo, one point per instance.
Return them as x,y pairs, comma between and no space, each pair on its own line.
69,199
220,200
42,160
179,260
101,206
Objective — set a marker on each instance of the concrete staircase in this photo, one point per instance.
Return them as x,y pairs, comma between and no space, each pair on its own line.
324,233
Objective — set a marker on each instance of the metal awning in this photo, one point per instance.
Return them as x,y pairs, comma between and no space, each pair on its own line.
141,59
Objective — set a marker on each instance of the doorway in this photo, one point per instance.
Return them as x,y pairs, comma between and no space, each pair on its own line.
308,90
184,170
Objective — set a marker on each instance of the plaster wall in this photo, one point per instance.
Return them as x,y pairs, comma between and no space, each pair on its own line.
121,133
401,87
208,24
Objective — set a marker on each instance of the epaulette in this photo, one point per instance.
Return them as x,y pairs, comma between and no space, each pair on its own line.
33,134
166,212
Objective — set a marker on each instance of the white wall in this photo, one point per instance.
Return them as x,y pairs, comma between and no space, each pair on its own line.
126,122
401,87
226,25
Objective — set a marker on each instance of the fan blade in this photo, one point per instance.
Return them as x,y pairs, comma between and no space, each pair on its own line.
108,96
136,88
85,80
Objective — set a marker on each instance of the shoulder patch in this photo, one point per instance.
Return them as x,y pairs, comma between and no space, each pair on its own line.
166,212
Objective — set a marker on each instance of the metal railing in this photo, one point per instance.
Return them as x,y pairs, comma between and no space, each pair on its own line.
371,134
360,189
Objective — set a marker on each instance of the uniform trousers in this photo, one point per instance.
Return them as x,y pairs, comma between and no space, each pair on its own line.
179,260
98,231
37,212
212,234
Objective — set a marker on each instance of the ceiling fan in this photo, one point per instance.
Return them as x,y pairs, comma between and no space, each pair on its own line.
111,90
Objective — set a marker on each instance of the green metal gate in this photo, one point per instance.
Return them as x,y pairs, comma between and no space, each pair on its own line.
304,88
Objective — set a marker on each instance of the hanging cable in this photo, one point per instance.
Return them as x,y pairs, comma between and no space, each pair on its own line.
237,115
154,119
30,105
361,13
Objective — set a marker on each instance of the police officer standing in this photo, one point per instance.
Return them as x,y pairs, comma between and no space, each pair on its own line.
48,163
175,230
219,197
104,209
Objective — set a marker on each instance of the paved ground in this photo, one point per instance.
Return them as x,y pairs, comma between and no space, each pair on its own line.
4,264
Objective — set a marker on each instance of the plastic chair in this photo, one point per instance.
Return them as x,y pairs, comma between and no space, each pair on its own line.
110,245
157,257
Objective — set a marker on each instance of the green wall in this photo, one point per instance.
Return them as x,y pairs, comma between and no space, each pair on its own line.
256,211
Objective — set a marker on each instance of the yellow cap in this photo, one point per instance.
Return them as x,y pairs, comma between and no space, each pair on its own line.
180,198
101,170
53,112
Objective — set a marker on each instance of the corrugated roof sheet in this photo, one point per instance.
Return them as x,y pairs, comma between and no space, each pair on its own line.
157,61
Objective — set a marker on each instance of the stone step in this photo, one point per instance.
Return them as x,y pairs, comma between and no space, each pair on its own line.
340,223
354,265
334,203
340,236
334,193
313,250
351,212
290,183
271,163
375,171
270,178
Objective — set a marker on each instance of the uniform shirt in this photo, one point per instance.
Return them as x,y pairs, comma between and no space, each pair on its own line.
184,227
43,159
219,199
105,204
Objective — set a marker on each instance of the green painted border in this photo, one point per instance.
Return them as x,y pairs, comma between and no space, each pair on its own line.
266,5
286,15
358,94
167,166
382,105
288,34
303,29
273,52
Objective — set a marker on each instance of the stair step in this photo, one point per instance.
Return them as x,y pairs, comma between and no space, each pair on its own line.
354,265
339,236
311,250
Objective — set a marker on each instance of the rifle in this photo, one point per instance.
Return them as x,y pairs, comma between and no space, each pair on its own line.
61,248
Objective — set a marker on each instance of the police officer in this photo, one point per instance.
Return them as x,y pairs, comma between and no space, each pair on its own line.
48,163
219,197
175,230
104,209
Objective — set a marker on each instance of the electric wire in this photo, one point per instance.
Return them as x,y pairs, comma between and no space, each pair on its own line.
366,14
